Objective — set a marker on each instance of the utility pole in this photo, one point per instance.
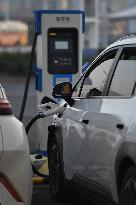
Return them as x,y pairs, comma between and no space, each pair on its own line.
104,23
7,9
97,23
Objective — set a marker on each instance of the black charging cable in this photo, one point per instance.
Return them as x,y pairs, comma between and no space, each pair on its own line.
27,128
28,77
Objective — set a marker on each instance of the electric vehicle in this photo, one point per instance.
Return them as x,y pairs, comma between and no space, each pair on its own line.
15,165
92,145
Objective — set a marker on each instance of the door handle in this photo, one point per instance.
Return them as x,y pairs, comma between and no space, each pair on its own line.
85,121
120,126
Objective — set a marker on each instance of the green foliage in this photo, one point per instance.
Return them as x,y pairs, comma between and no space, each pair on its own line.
18,63
14,63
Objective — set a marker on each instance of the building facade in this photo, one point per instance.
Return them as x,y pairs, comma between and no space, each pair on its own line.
97,15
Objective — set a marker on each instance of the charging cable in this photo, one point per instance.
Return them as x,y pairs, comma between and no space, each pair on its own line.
28,78
45,110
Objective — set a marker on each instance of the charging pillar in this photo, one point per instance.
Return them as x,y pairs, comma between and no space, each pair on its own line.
59,54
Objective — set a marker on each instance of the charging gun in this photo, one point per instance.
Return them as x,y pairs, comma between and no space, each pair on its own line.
45,110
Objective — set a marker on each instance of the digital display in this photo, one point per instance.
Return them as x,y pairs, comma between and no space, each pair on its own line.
61,45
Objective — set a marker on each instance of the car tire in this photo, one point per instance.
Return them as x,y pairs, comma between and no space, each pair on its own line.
128,188
56,176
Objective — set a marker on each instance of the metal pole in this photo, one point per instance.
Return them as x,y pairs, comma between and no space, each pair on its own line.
7,10
45,4
97,29
81,4
104,23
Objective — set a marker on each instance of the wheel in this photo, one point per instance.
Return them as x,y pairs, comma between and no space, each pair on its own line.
56,178
128,188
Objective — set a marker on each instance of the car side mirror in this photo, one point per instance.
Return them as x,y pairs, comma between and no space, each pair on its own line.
63,90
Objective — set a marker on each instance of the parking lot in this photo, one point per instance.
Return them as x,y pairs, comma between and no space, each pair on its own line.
41,194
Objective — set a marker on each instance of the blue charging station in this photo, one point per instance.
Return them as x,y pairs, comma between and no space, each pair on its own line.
59,54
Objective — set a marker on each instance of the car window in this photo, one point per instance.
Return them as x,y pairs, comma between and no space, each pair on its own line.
124,79
94,83
78,87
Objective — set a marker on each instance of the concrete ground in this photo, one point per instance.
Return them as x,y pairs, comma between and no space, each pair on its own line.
42,196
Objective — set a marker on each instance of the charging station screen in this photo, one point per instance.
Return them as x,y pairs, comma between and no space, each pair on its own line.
61,45
62,50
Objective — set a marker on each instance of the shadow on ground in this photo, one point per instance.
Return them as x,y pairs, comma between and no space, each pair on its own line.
41,195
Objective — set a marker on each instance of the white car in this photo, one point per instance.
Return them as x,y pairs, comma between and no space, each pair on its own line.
92,146
15,165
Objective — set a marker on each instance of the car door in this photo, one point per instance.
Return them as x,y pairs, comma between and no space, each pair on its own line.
77,145
112,117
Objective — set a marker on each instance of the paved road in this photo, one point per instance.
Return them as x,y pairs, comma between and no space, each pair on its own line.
41,196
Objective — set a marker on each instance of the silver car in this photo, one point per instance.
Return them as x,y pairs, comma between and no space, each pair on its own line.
92,146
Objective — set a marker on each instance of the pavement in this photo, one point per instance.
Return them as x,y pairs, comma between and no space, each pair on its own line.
42,196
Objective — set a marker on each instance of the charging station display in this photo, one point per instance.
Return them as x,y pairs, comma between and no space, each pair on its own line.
62,44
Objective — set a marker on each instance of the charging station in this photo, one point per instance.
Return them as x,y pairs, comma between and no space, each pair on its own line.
59,54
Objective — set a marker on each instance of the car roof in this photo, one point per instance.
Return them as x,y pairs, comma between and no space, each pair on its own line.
127,40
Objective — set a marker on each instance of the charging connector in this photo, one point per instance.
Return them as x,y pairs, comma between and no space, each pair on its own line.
28,77
45,110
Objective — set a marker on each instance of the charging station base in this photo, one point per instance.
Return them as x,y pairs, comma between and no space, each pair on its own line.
42,166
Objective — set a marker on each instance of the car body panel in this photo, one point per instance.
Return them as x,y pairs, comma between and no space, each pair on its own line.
108,138
15,162
92,151
6,198
76,156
